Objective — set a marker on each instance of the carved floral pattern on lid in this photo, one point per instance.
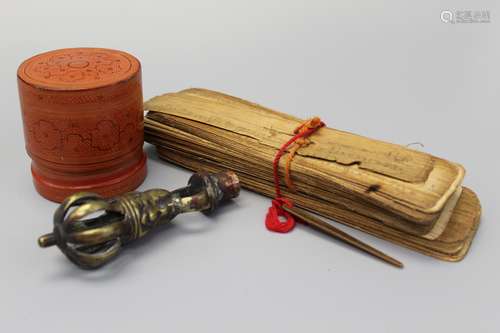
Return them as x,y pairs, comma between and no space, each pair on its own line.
80,68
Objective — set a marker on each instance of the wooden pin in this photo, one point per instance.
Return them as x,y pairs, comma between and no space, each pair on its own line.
332,231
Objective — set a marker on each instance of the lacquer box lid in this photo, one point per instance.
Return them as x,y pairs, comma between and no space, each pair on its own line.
83,121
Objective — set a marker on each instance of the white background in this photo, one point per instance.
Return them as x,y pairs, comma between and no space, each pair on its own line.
389,70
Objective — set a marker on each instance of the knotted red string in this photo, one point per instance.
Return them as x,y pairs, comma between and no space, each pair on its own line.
276,211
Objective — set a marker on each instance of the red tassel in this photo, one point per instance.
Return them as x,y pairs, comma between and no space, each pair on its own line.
273,221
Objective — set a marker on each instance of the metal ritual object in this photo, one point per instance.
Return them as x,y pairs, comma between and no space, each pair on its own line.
91,230
331,231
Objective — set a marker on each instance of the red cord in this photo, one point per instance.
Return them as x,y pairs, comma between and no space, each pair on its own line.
273,221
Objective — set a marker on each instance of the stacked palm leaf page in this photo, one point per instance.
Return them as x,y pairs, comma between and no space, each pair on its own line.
401,195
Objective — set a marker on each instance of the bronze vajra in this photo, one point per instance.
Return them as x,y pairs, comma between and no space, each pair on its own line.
91,230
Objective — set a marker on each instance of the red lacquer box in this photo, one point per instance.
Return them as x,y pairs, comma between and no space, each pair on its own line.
83,121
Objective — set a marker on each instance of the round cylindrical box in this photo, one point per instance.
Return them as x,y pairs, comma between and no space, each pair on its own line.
83,121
